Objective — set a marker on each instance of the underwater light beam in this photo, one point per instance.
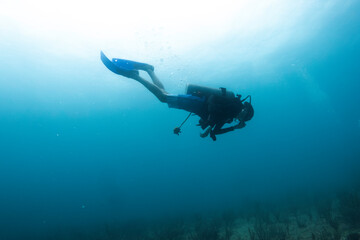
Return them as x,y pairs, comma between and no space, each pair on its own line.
79,27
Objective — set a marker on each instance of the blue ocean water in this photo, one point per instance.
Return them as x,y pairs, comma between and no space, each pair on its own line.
81,147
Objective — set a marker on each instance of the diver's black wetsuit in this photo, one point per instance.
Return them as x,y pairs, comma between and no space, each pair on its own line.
221,110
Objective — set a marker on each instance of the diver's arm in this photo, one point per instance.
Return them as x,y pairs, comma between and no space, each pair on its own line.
220,130
216,130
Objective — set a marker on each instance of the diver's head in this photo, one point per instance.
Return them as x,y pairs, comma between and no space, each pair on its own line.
246,113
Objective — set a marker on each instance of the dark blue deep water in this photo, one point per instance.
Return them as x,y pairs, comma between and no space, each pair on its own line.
83,150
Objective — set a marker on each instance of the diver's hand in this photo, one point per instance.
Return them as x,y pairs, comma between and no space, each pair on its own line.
212,135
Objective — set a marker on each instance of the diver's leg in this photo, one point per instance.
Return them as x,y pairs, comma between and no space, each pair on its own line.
154,78
160,93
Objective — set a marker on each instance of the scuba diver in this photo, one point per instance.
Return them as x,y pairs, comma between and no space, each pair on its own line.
215,107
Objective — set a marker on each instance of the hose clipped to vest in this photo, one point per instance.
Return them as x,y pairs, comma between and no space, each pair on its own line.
248,96
177,130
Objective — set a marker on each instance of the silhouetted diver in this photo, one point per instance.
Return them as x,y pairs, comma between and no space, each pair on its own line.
215,107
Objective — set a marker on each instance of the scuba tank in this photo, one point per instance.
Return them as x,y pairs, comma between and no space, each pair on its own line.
201,91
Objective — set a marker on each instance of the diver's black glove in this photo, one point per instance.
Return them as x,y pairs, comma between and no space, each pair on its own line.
212,135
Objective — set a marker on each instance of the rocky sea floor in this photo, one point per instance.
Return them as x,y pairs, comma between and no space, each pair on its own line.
320,218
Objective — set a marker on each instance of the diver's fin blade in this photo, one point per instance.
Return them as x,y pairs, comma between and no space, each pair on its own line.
132,65
108,63
112,67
